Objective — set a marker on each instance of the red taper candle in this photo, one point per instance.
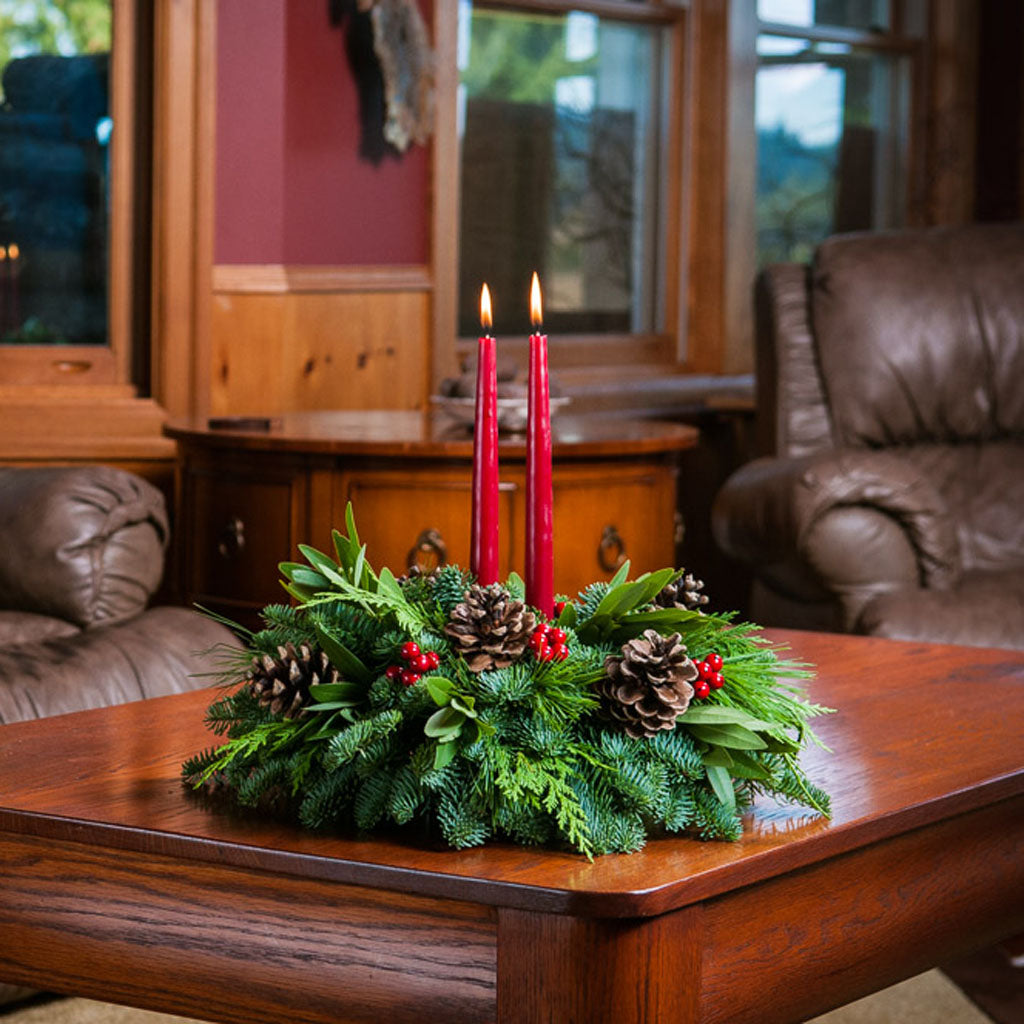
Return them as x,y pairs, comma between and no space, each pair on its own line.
483,544
540,572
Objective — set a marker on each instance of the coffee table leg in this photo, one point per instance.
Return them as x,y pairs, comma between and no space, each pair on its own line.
555,969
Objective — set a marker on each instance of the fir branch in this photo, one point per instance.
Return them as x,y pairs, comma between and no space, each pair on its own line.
371,800
327,798
259,785
352,741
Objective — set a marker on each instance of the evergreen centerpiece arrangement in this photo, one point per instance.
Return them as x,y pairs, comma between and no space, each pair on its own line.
431,700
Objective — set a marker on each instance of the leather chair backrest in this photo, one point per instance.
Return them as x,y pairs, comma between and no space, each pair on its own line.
914,340
919,334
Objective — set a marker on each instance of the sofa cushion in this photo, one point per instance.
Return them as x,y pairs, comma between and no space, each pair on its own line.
162,651
983,487
27,627
985,610
85,545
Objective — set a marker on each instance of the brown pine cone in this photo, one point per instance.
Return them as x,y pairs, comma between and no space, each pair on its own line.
648,686
282,683
685,592
489,628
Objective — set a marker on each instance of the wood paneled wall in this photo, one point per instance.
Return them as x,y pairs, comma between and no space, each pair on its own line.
289,338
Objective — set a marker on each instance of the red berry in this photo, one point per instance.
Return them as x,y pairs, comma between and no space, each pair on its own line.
433,659
421,663
716,681
703,669
558,636
393,672
559,652
560,607
714,659
410,650
409,677
701,688
542,652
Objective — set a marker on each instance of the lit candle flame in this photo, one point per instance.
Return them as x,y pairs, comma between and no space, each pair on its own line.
486,319
13,251
536,314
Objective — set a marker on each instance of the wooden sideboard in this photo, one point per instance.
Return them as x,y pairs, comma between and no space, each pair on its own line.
248,494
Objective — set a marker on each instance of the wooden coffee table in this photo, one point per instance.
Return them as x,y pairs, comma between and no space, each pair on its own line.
117,884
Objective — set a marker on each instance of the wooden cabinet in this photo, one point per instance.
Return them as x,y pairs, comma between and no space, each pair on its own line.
248,497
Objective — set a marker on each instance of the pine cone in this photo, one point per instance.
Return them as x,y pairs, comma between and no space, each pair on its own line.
685,592
283,683
489,628
648,687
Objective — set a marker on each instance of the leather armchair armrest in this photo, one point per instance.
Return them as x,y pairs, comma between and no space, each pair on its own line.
846,524
83,544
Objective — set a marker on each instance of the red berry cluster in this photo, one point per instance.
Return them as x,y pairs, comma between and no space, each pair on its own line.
549,643
416,663
709,675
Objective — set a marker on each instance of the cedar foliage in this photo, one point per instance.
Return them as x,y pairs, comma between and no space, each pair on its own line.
520,752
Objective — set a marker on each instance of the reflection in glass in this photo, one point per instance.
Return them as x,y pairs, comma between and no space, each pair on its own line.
561,129
54,134
862,14
831,136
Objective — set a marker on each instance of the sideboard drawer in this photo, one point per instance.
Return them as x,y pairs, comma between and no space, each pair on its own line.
603,516
417,517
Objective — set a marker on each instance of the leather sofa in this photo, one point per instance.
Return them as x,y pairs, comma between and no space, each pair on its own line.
889,496
81,553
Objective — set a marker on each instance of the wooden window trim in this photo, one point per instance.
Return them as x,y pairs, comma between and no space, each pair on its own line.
80,403
667,349
99,365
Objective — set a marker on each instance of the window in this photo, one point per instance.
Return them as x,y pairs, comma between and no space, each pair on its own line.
563,125
832,113
73,269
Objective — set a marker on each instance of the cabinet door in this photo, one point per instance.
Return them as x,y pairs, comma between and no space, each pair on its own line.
417,517
606,514
239,527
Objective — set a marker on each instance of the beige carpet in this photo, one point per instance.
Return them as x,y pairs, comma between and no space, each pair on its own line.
927,999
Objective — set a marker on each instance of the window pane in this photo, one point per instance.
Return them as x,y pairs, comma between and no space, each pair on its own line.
561,133
54,132
864,14
831,131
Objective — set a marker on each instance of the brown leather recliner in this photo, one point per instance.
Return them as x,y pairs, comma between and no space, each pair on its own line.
891,400
81,552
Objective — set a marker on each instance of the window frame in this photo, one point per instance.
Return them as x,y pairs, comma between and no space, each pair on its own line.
110,366
939,173
577,350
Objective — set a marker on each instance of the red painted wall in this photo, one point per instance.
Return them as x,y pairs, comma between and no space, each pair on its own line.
249,193
291,186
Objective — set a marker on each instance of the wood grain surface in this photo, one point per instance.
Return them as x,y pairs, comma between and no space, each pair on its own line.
107,861
230,944
922,733
395,432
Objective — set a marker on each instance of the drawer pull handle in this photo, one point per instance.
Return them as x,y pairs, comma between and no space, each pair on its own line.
431,544
611,552
232,538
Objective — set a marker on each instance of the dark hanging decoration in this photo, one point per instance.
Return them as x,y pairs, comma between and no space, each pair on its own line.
390,55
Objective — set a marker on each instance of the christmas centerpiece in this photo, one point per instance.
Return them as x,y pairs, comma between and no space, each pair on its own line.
472,708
